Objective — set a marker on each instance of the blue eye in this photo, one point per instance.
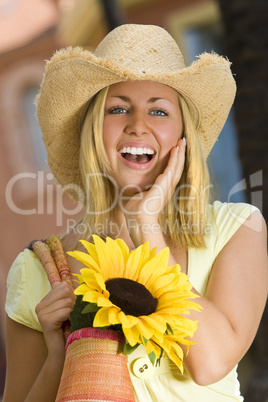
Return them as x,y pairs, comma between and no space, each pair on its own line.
159,112
118,110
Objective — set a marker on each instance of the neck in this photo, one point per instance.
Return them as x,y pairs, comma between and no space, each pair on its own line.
118,227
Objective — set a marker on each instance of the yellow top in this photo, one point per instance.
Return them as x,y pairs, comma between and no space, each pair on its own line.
27,284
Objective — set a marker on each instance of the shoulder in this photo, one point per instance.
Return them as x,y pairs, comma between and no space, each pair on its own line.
228,217
242,241
243,259
25,266
27,284
225,219
222,212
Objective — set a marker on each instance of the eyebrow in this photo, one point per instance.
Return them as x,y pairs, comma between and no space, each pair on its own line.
151,100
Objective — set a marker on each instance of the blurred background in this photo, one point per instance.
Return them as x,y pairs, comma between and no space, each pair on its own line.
32,204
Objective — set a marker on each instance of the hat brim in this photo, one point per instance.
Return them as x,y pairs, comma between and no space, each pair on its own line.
73,76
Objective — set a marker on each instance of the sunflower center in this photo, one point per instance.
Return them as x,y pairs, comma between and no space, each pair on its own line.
132,297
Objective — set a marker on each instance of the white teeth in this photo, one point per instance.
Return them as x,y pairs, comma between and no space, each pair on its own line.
136,151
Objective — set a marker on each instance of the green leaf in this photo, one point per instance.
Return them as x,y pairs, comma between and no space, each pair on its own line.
90,308
78,319
145,340
169,329
128,349
157,362
152,357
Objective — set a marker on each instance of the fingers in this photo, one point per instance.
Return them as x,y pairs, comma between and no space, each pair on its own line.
61,291
56,307
176,161
173,172
165,184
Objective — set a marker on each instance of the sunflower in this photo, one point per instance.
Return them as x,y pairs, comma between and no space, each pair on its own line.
139,292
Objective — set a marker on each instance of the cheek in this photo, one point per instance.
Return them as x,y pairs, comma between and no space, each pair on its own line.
108,137
105,132
110,145
111,131
169,136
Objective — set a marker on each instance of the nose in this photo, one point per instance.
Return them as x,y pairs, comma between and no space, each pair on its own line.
137,124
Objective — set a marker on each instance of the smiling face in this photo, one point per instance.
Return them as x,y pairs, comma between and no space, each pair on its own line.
142,122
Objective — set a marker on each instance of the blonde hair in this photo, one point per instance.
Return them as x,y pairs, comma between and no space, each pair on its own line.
184,217
93,161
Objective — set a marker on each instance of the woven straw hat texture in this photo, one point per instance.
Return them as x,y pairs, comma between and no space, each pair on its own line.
129,52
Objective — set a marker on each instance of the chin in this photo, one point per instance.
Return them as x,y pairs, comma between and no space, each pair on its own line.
131,190
135,187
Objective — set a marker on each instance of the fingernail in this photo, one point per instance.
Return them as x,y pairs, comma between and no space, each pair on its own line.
178,148
184,140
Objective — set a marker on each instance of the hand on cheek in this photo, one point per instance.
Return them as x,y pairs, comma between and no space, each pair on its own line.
171,176
144,209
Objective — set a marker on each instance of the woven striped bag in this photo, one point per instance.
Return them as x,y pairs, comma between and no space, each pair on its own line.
95,368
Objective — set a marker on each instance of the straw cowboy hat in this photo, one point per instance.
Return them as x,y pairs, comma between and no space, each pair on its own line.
129,52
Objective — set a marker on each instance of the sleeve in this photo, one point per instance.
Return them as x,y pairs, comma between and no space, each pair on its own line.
27,284
228,218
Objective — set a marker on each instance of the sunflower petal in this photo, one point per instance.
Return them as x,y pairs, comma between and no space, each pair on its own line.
106,316
116,258
91,249
93,281
146,330
133,264
155,321
100,282
85,258
174,269
91,296
103,256
132,335
179,362
152,253
154,268
161,285
151,346
124,249
81,289
127,321
185,326
104,302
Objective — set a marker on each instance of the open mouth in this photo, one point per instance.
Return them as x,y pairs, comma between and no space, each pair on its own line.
137,154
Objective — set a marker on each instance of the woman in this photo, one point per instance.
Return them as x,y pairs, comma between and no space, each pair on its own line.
127,131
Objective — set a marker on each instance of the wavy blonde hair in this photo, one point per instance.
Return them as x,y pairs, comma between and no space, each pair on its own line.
184,217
